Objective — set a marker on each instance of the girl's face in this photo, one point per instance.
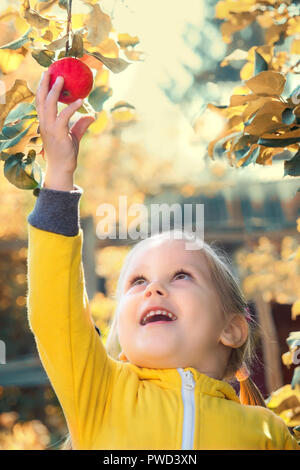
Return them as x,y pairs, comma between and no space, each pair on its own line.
193,339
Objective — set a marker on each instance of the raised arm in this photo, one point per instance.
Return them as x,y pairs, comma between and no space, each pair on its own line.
59,316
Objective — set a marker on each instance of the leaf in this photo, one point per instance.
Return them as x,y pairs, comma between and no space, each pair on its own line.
63,4
87,108
100,124
10,60
17,94
77,46
45,5
9,132
292,167
115,65
121,104
57,44
252,156
5,144
98,25
260,64
43,57
21,110
267,82
108,48
16,44
125,40
33,17
296,378
296,308
98,96
280,140
221,139
92,62
293,339
22,174
288,117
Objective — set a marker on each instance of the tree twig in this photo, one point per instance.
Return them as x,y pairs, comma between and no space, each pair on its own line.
69,24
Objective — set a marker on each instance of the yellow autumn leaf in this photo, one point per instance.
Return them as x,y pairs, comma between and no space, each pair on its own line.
102,78
123,116
267,82
98,25
100,124
108,48
125,40
77,20
287,358
10,60
295,309
295,47
247,71
225,8
284,398
293,26
18,93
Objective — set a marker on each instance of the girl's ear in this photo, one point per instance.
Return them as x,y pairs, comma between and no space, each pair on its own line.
236,332
122,357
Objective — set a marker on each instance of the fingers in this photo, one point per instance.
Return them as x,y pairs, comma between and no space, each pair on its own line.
79,127
43,88
41,95
65,115
52,98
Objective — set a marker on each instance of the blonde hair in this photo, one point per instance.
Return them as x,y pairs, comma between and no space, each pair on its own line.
230,299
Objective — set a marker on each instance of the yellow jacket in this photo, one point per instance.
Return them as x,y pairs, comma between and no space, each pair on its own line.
109,404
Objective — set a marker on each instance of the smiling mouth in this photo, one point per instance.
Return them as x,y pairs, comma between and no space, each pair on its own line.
158,319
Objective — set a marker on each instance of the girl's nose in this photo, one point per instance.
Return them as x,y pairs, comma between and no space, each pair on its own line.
155,288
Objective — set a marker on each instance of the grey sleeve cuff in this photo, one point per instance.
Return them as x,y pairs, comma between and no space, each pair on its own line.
57,211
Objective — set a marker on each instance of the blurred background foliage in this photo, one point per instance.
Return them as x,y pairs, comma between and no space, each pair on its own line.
177,140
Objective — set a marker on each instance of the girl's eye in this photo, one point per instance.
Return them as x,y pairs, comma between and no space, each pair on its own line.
135,279
140,277
179,273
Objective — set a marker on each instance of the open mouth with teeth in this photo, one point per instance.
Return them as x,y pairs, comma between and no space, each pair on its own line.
158,316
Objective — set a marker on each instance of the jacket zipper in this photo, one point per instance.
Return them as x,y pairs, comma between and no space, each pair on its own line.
188,385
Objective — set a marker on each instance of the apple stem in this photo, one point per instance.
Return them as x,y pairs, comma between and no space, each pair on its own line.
69,24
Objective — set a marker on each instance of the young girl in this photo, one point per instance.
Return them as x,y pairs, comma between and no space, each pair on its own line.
179,335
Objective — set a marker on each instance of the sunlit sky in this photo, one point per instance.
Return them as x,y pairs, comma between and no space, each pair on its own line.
163,128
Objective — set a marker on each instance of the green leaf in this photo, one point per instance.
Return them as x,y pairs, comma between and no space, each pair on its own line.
86,108
292,167
14,171
19,112
11,142
278,142
252,158
43,57
260,64
98,96
77,46
63,4
293,339
116,65
288,117
121,104
239,154
296,378
17,43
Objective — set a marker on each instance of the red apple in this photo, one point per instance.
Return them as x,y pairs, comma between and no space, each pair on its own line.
78,79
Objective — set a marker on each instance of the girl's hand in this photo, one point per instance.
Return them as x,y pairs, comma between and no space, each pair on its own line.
61,144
